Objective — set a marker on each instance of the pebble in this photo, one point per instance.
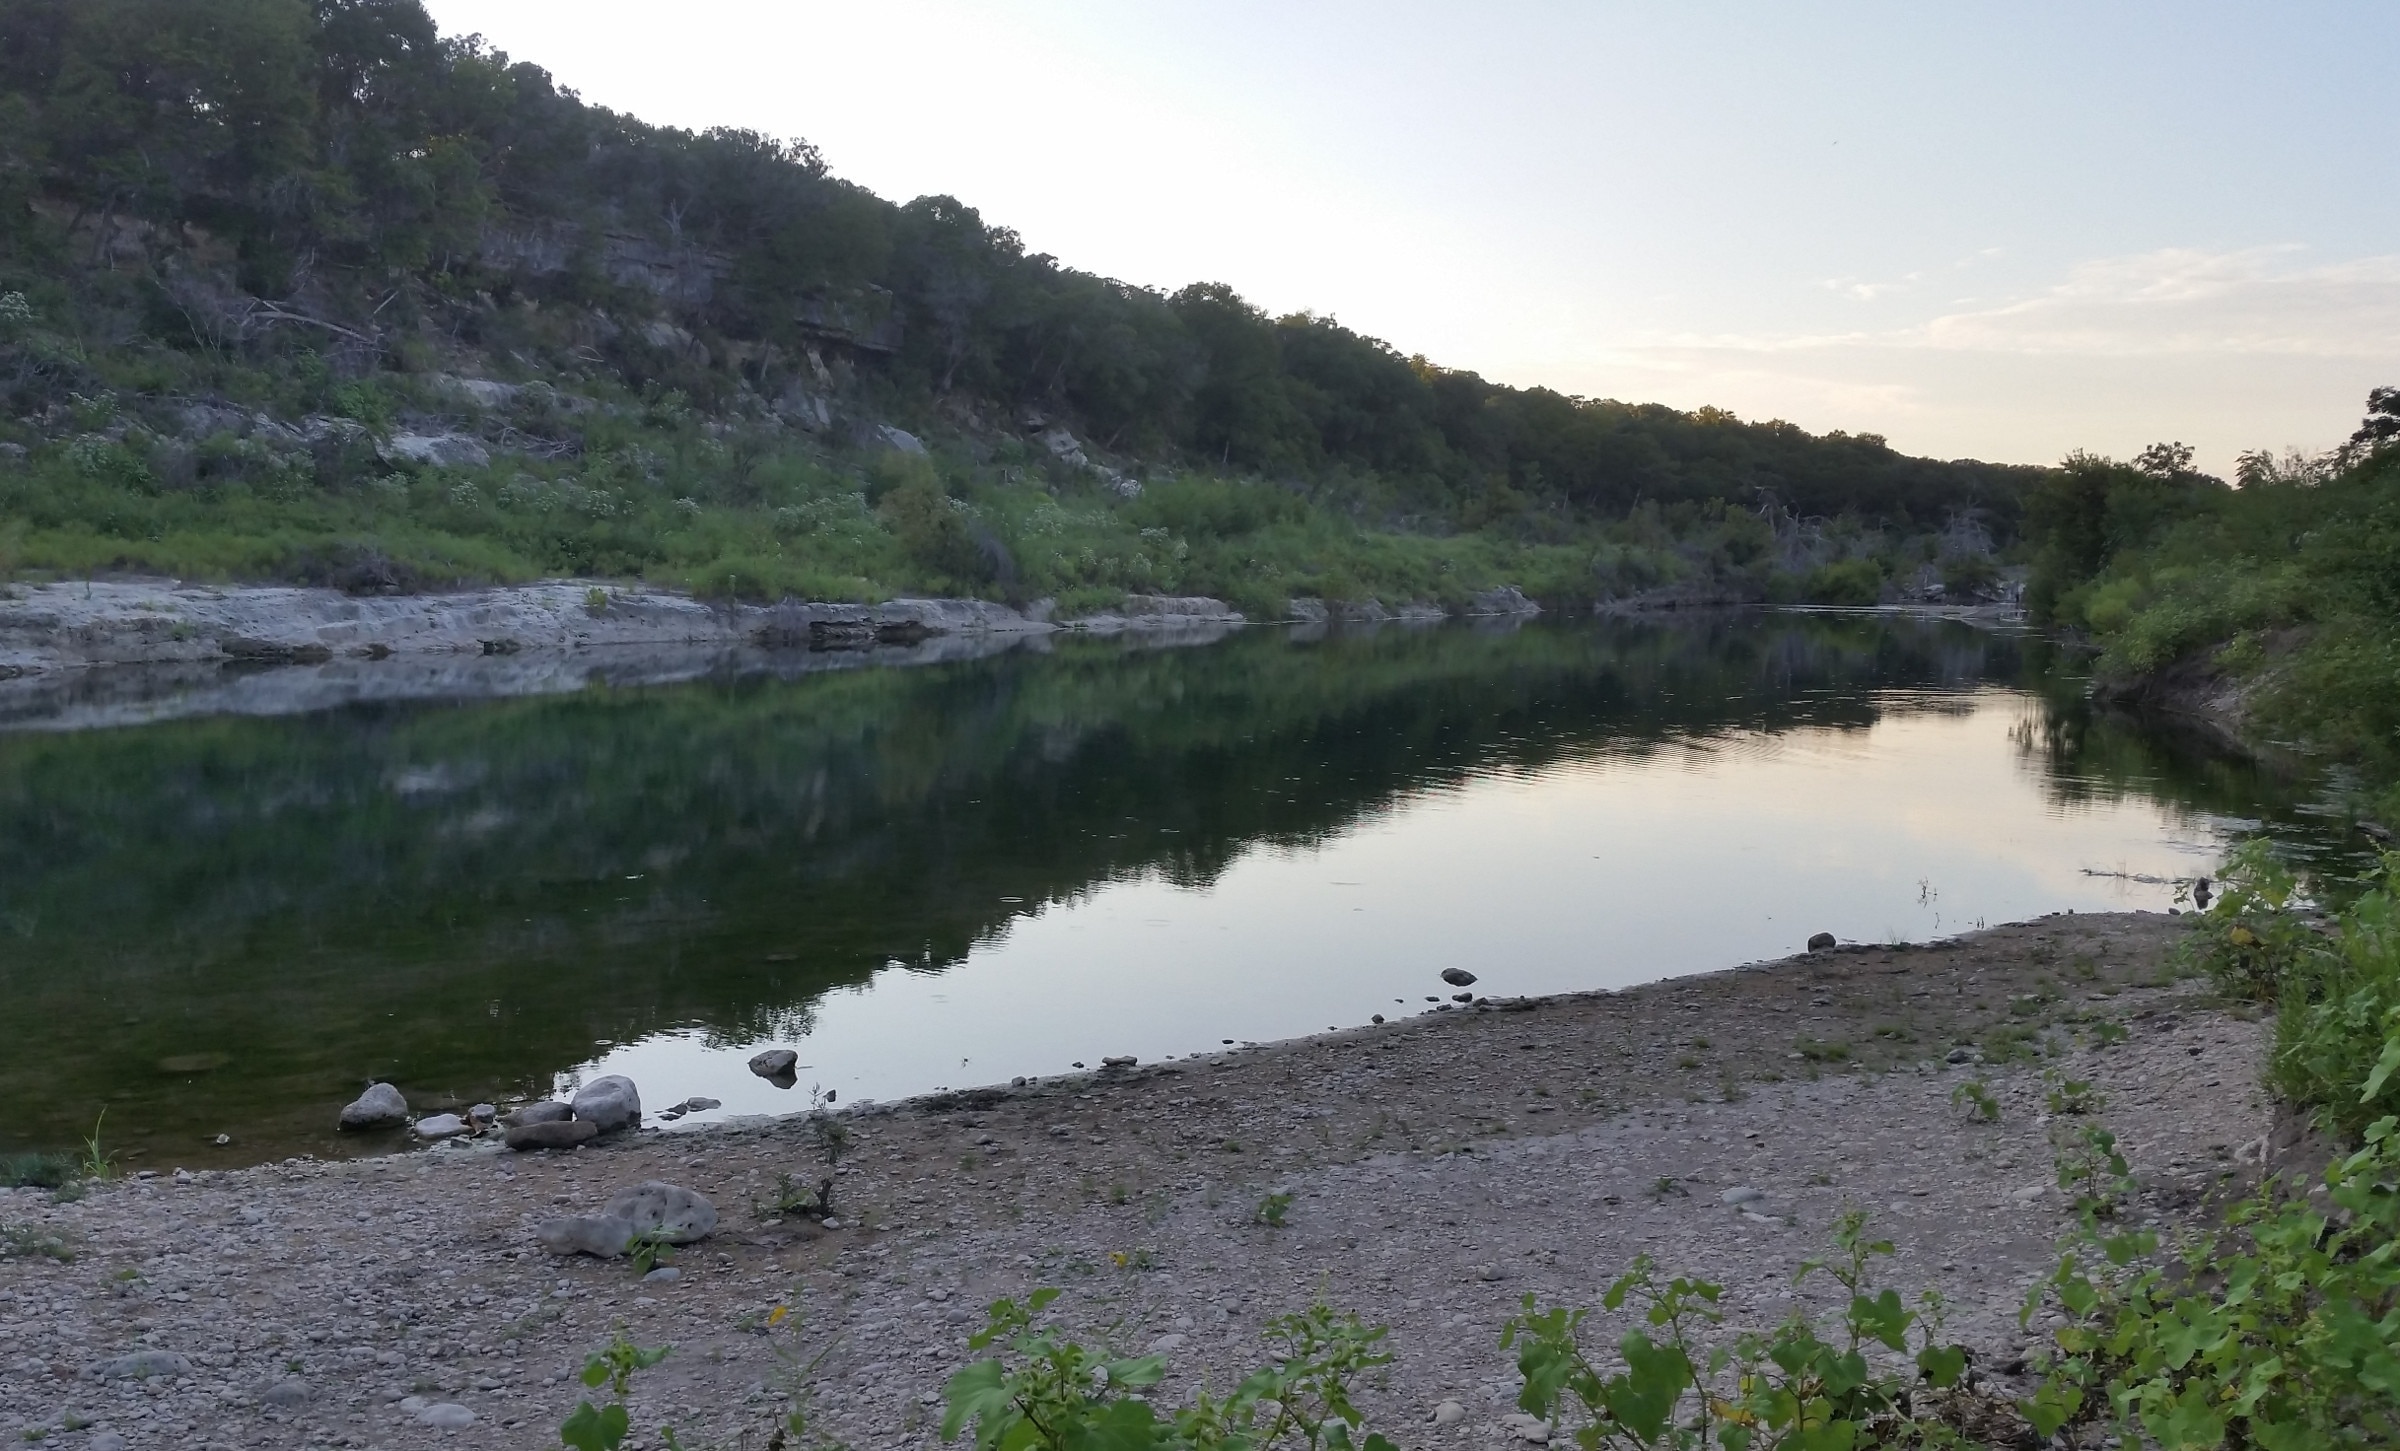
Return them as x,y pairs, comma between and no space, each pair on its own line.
446,1416
1458,977
663,1275
1822,942
538,1113
441,1126
1960,1055
105,1441
285,1394
1740,1195
1449,1413
700,1105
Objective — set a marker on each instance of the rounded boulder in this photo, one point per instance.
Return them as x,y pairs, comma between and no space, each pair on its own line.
610,1103
670,1211
380,1107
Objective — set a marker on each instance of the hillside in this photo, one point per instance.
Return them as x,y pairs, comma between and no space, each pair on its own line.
311,291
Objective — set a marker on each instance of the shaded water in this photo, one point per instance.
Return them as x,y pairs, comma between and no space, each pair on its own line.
951,875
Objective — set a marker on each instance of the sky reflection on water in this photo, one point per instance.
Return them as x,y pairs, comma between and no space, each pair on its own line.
1616,867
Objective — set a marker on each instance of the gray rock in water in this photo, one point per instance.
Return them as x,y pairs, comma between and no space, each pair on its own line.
611,1102
441,1126
1121,1060
483,1113
585,1234
285,1393
700,1105
380,1107
552,1134
1458,977
774,1063
141,1365
1822,942
446,1416
538,1113
672,1212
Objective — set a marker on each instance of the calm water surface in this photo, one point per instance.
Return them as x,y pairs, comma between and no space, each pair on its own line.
949,876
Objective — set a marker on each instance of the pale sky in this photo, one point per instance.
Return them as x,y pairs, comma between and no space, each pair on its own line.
1990,230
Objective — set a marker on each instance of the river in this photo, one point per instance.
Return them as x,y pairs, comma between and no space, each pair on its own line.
957,874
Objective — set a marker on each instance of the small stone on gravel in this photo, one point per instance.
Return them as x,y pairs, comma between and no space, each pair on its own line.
141,1365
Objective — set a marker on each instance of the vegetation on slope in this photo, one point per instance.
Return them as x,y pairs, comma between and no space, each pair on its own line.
251,242
2287,587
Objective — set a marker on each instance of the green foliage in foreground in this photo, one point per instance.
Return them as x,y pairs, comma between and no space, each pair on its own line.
1790,1387
2280,1331
2336,993
1049,1391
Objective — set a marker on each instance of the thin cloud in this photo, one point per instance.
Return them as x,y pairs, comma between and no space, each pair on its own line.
2183,301
2178,302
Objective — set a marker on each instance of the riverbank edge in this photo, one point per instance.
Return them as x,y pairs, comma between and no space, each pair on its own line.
75,625
1440,1165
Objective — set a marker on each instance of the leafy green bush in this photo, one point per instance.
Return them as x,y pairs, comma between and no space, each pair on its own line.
2280,1331
1851,582
2251,944
1789,1388
604,1428
1051,1394
2337,1036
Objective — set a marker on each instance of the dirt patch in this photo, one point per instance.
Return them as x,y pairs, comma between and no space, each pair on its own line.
1437,1171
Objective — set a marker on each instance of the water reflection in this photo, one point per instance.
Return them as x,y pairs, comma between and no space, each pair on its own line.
952,874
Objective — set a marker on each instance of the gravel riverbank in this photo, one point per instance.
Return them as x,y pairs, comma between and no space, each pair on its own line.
1439,1170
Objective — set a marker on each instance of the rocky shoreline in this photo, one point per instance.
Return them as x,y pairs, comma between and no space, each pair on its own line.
1437,1170
121,651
